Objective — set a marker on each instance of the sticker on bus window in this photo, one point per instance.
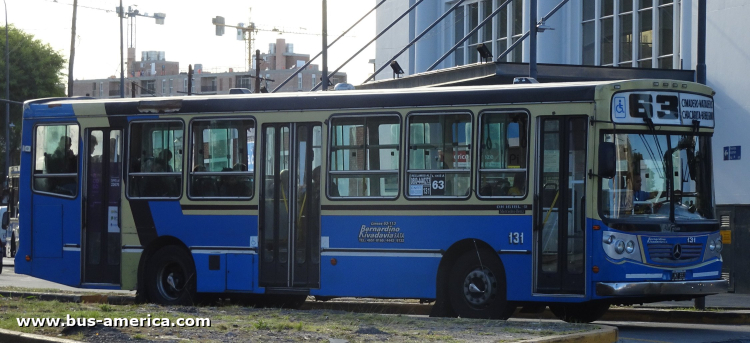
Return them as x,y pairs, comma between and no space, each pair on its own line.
427,184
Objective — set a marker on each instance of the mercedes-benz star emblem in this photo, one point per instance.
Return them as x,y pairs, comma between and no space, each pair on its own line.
677,251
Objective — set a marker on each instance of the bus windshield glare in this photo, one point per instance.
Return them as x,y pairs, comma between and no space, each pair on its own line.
655,171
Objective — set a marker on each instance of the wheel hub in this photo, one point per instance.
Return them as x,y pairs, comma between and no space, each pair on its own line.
480,287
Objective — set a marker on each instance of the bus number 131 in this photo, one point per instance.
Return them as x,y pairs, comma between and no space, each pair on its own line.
515,237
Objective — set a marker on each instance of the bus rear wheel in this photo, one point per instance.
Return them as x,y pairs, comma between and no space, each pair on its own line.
477,289
171,277
579,312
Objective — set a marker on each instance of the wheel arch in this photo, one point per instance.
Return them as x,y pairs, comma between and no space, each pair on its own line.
148,252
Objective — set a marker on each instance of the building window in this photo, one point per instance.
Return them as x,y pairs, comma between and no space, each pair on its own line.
632,33
101,89
184,85
223,159
171,86
497,35
244,82
365,155
313,81
163,87
299,82
148,87
439,155
56,159
155,169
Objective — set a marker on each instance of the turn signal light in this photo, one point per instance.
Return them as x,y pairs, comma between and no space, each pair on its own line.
28,258
595,269
333,261
596,227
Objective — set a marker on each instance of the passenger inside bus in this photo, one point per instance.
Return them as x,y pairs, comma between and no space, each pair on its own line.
519,185
63,160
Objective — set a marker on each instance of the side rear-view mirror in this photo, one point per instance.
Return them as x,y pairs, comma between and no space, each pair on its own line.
6,220
607,160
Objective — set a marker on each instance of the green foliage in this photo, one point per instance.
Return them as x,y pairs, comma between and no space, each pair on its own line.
36,71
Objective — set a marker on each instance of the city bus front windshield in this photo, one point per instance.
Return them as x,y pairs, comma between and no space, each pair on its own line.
654,171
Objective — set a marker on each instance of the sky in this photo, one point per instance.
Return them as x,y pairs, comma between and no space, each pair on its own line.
188,36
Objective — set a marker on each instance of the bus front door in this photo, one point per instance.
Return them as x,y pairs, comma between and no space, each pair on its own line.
101,228
289,230
560,216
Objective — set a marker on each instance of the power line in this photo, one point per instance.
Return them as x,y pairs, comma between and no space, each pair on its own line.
80,6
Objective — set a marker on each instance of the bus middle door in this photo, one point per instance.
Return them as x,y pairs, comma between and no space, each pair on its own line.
289,242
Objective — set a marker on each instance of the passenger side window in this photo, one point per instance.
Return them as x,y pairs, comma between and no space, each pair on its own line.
156,152
222,159
439,155
502,154
365,156
56,159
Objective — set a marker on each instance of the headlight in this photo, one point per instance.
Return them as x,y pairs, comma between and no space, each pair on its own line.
630,247
719,245
711,245
609,239
619,247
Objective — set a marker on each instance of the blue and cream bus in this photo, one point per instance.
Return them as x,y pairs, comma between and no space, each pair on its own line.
574,196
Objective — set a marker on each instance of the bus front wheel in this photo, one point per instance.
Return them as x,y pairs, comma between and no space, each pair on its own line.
171,277
477,288
579,312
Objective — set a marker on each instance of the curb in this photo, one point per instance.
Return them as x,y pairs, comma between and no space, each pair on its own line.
605,334
20,337
660,315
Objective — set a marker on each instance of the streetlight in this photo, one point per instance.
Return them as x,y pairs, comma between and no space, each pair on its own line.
131,13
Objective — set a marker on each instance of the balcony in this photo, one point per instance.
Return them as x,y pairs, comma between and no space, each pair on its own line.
208,88
114,92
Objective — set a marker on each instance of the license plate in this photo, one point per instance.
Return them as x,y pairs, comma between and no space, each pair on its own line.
678,275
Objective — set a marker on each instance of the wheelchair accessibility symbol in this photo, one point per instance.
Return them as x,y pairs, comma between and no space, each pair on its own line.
619,107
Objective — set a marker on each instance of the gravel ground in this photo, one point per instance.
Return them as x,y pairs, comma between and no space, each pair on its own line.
233,323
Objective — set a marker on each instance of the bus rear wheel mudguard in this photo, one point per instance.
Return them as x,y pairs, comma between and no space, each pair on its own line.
579,312
170,277
478,290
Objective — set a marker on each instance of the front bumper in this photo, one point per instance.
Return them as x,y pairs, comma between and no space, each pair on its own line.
661,288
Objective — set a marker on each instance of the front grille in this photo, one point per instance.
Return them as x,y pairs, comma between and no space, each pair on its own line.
664,252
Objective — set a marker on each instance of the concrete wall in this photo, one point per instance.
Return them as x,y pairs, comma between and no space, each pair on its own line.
728,60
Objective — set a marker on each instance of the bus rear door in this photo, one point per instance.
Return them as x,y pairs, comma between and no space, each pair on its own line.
289,227
101,228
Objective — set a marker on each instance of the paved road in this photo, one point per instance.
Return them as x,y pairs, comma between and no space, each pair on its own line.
9,278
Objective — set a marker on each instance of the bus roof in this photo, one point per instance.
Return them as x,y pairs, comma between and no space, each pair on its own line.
339,100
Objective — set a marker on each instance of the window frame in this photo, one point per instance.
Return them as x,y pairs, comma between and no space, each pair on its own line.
34,158
129,161
467,49
478,170
407,145
190,172
329,153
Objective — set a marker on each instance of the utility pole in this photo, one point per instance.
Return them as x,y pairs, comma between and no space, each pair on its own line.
190,80
72,49
325,46
257,71
122,68
7,97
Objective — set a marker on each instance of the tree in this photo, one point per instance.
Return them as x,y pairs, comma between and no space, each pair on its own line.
36,71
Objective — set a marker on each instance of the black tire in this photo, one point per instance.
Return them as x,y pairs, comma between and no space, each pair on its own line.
488,298
170,277
580,312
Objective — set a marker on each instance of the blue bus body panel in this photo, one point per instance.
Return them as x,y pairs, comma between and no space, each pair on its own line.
406,265
44,110
52,221
200,230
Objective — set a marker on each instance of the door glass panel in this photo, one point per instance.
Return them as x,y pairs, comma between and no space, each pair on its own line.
301,215
550,195
576,188
95,221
